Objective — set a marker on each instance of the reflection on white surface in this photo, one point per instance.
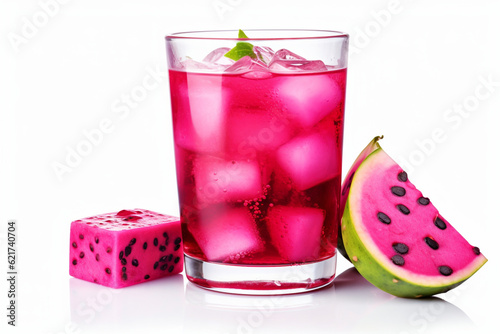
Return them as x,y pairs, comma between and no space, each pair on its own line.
365,308
349,305
143,308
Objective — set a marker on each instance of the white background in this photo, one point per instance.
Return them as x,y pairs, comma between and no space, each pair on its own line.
413,64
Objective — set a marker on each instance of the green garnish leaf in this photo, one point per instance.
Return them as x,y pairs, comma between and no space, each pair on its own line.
241,34
241,49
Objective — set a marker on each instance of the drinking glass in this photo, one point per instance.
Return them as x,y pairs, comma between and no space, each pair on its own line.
258,131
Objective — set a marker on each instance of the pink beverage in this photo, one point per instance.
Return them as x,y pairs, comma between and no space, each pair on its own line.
258,158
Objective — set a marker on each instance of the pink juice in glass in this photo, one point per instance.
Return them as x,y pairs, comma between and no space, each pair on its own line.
258,159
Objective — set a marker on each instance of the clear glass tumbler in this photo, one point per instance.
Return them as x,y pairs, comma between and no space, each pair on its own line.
258,131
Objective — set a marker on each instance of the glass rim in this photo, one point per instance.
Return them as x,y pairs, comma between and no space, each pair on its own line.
199,35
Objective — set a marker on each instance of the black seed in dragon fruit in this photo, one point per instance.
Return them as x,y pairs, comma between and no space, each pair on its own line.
121,249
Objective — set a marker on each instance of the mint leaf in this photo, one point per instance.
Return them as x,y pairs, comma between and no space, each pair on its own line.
241,34
241,49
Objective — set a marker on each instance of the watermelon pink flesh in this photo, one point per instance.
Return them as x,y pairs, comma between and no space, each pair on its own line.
296,232
434,246
125,248
225,233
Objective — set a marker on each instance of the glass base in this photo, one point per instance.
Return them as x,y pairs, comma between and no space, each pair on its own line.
260,280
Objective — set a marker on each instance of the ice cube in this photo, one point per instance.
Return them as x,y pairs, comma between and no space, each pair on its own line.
297,66
219,180
310,159
285,54
296,232
264,54
246,64
242,65
225,233
197,66
251,131
308,99
199,114
286,61
217,56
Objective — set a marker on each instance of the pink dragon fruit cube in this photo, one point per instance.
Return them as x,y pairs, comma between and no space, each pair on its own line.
125,248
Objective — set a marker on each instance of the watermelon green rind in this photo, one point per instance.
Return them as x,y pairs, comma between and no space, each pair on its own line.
373,265
372,146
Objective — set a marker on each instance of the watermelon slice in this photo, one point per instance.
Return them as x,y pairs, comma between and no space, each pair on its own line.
346,185
397,239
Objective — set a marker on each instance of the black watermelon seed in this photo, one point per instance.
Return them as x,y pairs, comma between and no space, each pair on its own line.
145,245
95,280
97,257
440,223
403,177
108,250
128,250
124,276
403,209
155,242
124,261
400,248
165,234
74,245
170,257
91,247
124,269
383,218
177,240
135,263
476,250
74,262
163,258
162,248
177,259
156,265
170,269
132,242
177,247
166,242
398,191
398,260
81,236
108,271
146,277
423,201
82,255
445,270
96,240
164,267
431,243
120,256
